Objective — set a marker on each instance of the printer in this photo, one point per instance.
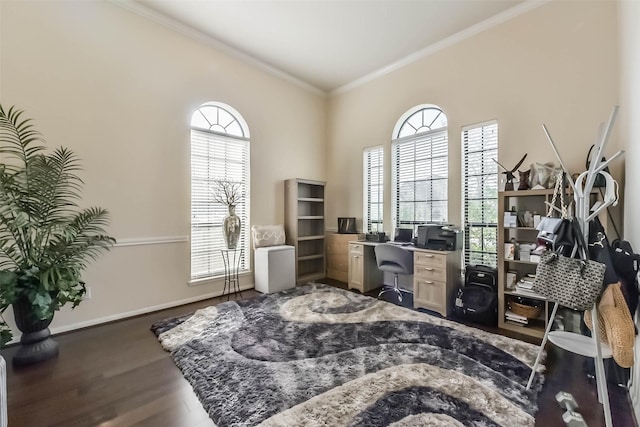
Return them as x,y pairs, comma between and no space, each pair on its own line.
442,237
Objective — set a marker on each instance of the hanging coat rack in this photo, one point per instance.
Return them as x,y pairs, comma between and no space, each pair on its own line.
582,187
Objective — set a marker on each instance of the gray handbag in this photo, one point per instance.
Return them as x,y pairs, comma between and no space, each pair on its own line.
571,282
549,227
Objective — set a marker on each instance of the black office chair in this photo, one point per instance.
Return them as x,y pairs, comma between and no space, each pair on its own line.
394,259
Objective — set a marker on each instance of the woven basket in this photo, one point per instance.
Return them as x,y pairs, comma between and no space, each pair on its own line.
527,311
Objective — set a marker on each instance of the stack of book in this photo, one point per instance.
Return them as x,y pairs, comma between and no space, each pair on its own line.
525,287
515,318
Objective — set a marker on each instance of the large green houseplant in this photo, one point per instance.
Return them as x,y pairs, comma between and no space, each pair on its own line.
46,240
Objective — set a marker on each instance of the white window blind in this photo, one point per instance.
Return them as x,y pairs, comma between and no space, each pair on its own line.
373,189
480,193
216,156
420,179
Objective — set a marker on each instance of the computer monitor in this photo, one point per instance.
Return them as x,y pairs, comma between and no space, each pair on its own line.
403,235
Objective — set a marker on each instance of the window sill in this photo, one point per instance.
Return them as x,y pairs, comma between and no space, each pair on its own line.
215,279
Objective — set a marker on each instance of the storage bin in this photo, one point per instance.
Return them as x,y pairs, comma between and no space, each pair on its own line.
275,268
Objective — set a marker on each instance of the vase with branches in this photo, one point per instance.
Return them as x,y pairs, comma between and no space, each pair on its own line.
46,239
229,193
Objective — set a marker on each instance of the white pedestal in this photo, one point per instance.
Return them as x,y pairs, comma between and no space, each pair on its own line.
275,268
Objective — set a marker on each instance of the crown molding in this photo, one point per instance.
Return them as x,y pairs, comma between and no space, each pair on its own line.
495,20
175,25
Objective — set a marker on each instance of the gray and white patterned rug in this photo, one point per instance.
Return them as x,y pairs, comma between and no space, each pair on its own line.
321,356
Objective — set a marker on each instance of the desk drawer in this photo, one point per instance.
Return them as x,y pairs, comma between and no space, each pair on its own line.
427,272
430,259
339,243
356,248
429,294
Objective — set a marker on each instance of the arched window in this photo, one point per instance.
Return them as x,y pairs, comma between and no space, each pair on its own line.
219,153
419,167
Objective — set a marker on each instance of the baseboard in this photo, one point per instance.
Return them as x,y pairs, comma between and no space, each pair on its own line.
133,313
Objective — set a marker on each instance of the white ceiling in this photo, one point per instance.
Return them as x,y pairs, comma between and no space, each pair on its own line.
331,44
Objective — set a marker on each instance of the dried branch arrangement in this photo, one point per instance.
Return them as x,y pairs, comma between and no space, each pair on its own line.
227,192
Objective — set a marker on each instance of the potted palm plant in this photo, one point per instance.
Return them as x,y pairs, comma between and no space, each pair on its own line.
46,239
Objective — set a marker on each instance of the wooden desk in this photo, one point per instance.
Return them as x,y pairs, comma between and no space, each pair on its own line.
436,274
338,255
363,269
436,279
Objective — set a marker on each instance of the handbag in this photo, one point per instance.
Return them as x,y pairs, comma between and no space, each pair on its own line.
554,232
615,325
571,282
548,228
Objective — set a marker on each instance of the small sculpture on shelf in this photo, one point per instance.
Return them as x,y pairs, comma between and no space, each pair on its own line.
543,175
510,173
524,179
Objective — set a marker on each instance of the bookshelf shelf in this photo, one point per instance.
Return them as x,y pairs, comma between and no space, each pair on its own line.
521,201
305,227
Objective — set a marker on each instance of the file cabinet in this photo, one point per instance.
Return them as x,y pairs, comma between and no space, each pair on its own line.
436,279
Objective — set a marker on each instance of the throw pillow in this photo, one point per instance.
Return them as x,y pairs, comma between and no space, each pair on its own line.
267,235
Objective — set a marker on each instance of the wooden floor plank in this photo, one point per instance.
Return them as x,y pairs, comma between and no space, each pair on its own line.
117,374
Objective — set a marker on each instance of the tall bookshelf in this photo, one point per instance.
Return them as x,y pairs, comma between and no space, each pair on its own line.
305,227
521,201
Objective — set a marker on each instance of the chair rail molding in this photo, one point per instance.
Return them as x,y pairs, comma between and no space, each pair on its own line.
159,240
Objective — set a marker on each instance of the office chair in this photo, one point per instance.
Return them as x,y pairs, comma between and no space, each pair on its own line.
394,259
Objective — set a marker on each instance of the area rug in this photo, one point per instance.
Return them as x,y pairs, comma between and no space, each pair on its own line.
316,355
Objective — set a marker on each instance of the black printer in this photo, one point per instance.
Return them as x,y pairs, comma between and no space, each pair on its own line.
442,237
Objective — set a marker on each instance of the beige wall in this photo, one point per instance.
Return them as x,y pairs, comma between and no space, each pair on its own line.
557,65
119,90
630,112
629,15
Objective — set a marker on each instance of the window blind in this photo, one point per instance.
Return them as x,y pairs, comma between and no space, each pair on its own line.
373,189
216,157
480,193
420,179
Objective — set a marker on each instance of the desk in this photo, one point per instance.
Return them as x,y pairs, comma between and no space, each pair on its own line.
436,274
231,259
363,269
338,255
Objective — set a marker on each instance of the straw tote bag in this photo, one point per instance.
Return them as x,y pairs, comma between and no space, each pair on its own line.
615,325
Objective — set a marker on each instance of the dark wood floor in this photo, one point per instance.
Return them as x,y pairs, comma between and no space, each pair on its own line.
118,375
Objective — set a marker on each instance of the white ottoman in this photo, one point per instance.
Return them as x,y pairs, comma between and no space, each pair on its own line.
275,268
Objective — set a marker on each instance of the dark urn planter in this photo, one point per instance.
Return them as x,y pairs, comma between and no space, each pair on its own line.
36,344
